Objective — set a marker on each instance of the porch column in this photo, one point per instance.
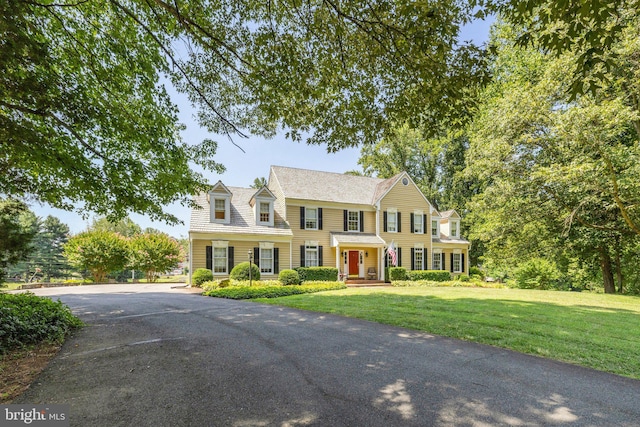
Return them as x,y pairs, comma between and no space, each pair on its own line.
338,259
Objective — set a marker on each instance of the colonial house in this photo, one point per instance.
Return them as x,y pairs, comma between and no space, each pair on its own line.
311,218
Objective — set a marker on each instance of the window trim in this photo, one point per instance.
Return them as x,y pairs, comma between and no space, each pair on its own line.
213,211
306,218
351,221
390,213
459,260
309,249
225,258
418,250
437,229
455,223
262,260
418,217
436,254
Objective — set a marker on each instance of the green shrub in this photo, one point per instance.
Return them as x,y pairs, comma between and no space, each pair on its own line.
322,274
200,276
435,275
537,273
449,283
215,284
255,283
397,273
462,278
28,319
246,292
476,271
289,277
241,272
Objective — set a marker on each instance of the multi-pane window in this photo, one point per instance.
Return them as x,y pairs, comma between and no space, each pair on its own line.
219,260
454,228
434,228
266,260
264,212
220,208
392,221
418,258
436,263
311,218
457,263
353,221
311,256
418,226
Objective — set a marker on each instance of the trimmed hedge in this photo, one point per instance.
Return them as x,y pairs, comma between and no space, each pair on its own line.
28,319
289,277
448,283
246,292
318,274
434,275
397,273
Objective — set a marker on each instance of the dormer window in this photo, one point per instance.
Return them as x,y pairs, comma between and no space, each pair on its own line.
454,229
265,212
262,204
435,228
220,209
220,204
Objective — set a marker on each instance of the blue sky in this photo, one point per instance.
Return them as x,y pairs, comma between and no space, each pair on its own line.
243,168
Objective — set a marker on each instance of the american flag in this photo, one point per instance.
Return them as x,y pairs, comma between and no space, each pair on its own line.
391,250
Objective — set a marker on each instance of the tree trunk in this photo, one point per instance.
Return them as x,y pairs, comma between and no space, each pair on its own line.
607,272
619,278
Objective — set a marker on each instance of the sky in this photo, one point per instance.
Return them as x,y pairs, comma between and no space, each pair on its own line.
242,168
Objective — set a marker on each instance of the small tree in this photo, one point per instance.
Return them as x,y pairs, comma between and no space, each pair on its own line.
154,253
18,226
100,252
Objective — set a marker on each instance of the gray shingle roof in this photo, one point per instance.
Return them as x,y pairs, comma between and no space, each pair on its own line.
242,218
328,186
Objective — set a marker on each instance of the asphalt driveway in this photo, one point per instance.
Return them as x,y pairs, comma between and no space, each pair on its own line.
156,356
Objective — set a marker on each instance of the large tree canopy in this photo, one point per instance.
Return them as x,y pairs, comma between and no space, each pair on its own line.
85,122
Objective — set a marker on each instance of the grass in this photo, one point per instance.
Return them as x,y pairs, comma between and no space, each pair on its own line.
593,330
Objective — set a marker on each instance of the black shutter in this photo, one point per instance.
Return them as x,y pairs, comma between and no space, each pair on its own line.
424,224
302,223
209,258
345,216
413,253
399,223
384,216
256,256
425,259
462,263
276,260
386,259
230,263
319,256
413,230
362,221
319,218
451,267
399,257
442,261
301,255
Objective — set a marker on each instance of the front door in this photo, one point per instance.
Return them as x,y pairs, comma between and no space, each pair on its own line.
354,263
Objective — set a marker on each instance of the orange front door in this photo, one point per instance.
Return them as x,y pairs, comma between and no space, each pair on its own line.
354,261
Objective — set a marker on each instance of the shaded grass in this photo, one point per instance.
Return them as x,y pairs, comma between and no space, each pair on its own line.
593,330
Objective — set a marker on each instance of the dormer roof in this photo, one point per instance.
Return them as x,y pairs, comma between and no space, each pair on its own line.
263,193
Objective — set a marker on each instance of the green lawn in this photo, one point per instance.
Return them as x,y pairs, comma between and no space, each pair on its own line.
593,330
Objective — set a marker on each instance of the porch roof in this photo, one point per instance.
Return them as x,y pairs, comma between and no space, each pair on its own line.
356,239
